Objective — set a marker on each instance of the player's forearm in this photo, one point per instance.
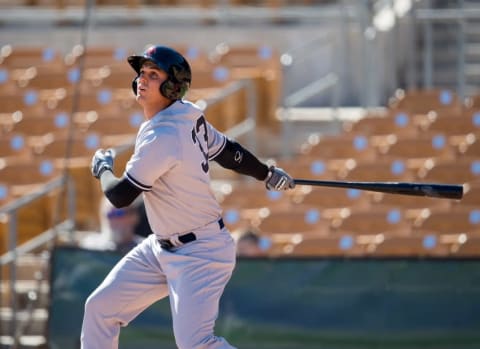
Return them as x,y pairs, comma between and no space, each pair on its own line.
119,191
239,159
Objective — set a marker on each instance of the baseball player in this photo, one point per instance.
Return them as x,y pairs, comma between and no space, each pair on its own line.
191,255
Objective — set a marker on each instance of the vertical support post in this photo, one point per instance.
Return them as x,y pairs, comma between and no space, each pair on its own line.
251,113
428,54
412,76
461,57
12,246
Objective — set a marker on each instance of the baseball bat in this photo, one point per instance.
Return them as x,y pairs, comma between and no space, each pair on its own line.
444,191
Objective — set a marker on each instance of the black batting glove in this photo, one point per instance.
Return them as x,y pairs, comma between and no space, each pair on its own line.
102,161
277,179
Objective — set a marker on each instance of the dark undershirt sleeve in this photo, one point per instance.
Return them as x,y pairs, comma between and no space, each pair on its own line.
236,158
119,191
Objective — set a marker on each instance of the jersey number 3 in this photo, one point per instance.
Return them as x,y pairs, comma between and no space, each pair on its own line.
201,124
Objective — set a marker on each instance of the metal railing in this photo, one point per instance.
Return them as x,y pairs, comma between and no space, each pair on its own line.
425,19
9,213
329,82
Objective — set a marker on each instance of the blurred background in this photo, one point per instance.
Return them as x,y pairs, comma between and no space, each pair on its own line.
361,90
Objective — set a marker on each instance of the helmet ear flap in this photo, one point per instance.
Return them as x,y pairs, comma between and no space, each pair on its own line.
171,89
134,85
177,84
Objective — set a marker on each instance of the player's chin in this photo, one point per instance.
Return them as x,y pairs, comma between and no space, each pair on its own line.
139,97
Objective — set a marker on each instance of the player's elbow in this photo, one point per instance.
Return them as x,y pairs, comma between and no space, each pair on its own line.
117,200
120,192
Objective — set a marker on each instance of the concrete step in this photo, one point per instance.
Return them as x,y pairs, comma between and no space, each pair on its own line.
26,292
30,323
30,267
25,342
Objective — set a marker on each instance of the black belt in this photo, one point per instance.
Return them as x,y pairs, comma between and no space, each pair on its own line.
167,244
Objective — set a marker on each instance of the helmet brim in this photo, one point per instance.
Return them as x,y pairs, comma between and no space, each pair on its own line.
136,62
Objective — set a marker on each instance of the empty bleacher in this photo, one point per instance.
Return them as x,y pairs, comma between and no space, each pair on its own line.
407,142
411,143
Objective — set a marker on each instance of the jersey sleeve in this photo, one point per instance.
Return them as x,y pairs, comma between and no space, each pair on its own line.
155,153
216,141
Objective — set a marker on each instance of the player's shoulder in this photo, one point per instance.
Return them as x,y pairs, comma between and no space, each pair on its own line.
191,105
158,131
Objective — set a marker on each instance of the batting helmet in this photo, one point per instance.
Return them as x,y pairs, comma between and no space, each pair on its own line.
170,61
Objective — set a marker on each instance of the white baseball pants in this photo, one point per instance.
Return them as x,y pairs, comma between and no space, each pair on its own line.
193,276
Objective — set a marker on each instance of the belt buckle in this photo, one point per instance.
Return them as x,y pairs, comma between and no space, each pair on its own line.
166,244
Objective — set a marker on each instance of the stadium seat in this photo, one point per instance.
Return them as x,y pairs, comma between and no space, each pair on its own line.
245,55
26,101
116,130
302,220
369,221
56,124
423,101
14,146
313,167
383,170
424,146
471,196
452,124
324,198
455,171
408,246
6,194
255,196
327,246
197,57
384,123
471,148
97,56
24,56
259,63
51,77
79,146
106,77
246,205
104,100
7,84
72,156
454,220
211,77
32,219
7,120
470,248
27,172
349,146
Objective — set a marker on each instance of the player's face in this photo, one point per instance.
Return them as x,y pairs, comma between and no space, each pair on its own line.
148,85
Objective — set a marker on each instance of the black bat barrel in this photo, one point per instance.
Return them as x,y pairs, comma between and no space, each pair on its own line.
437,190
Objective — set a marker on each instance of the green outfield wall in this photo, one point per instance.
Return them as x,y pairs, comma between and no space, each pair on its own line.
298,303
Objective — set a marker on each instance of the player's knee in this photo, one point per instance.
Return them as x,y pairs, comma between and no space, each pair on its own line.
196,342
91,304
95,303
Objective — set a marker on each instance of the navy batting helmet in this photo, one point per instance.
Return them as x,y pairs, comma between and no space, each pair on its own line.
170,61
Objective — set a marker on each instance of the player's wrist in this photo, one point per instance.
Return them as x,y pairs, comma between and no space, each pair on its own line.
101,170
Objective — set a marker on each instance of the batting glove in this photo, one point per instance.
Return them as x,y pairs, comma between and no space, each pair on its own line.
102,161
278,179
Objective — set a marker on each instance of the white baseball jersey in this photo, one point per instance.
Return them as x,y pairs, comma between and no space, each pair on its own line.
170,164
